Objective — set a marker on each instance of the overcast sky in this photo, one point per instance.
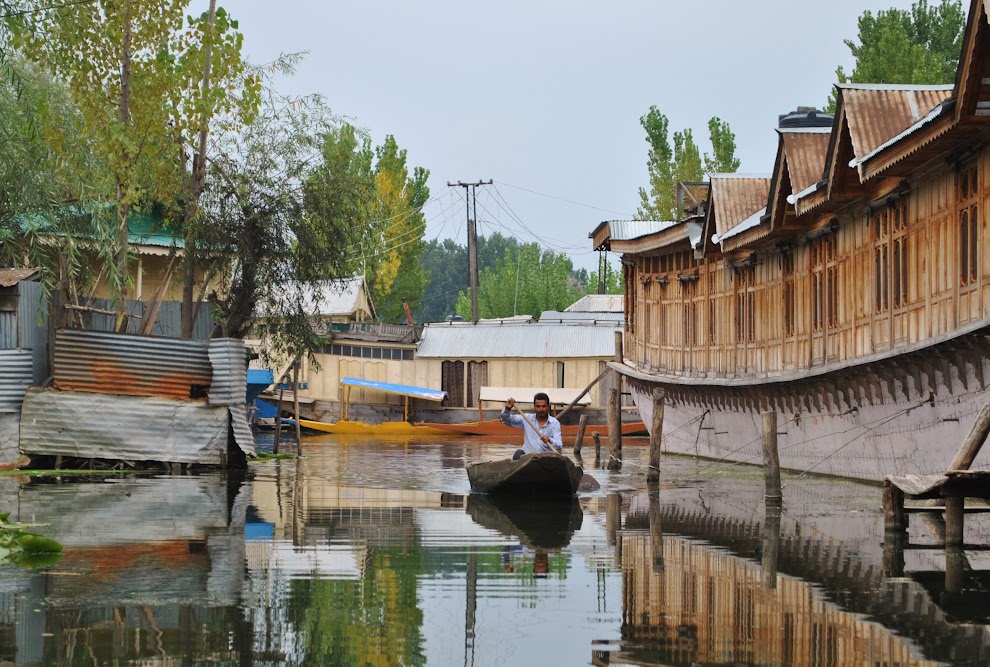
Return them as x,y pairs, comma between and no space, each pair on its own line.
545,97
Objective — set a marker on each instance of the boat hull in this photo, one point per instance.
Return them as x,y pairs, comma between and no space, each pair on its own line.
384,429
549,475
879,422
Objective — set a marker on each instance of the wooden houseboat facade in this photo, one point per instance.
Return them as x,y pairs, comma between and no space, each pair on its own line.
848,290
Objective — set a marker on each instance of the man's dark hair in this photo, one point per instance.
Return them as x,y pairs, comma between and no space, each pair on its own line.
541,397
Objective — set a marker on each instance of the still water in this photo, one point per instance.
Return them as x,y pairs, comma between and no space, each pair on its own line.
375,553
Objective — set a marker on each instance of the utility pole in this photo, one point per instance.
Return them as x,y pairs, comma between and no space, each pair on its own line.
471,194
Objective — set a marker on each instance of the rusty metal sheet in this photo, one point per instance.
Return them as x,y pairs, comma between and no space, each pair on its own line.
16,372
129,365
129,428
805,153
876,113
735,197
229,359
10,277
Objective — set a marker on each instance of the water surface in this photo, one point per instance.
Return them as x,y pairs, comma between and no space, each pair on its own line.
366,552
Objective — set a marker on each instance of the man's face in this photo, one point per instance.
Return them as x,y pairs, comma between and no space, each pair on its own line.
542,409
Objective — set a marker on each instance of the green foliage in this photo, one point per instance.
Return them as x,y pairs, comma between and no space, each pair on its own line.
920,46
669,164
285,237
373,621
24,548
446,266
525,281
612,283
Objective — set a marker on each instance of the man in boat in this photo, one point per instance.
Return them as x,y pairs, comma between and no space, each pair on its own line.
533,442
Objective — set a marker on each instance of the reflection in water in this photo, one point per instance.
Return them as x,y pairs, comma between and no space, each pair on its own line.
374,553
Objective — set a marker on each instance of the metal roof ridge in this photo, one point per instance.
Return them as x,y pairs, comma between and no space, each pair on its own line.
805,130
894,86
740,175
748,223
924,120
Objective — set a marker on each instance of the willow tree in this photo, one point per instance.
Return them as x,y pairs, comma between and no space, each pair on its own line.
147,80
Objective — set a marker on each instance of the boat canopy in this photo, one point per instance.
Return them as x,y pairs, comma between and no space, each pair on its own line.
558,396
392,388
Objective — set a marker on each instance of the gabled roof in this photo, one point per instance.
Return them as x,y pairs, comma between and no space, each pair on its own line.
338,297
10,277
734,198
973,65
804,152
878,112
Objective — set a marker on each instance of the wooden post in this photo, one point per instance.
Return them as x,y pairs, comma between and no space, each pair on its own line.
613,524
771,545
278,419
954,521
955,570
618,347
656,530
598,448
893,507
894,541
771,461
974,441
582,424
656,437
295,405
614,416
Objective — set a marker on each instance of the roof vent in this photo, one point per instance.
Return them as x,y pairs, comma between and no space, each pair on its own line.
805,117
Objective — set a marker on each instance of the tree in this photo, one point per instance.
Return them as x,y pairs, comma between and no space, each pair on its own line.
446,267
669,164
146,81
612,282
525,281
920,46
283,200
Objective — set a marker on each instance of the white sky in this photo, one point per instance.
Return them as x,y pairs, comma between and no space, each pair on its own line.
546,95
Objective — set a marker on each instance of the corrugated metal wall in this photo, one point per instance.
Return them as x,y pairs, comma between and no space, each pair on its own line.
168,323
32,325
15,377
8,330
108,363
228,357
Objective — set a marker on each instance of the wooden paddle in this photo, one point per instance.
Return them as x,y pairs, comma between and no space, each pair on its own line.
533,426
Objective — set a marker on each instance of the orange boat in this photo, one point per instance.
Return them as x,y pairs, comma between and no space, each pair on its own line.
496,427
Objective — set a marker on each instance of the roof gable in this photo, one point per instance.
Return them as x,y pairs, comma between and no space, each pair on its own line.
974,67
736,197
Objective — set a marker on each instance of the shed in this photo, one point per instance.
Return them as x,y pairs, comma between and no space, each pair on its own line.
23,318
462,359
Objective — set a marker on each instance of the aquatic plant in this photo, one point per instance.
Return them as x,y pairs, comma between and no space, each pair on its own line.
24,548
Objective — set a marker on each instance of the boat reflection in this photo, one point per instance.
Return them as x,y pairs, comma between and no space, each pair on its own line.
538,524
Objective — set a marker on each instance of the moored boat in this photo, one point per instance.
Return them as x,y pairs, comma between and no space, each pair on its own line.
530,475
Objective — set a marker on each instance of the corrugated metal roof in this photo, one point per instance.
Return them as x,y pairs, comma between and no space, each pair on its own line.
521,341
16,371
627,230
110,363
805,153
229,361
748,223
580,317
10,277
876,113
597,303
128,428
735,197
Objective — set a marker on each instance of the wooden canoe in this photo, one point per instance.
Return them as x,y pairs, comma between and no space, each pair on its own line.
549,475
496,427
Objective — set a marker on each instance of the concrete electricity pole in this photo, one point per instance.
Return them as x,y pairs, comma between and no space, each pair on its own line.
471,195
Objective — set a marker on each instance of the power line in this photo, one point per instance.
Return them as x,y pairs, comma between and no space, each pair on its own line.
569,201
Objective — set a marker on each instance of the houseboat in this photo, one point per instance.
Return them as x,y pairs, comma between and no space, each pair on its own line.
848,290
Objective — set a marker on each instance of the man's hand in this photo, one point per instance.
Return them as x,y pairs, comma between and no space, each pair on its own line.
545,439
509,404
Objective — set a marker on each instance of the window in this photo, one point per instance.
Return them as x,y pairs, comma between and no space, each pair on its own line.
890,257
969,226
824,283
452,382
689,290
559,373
745,304
787,269
711,306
